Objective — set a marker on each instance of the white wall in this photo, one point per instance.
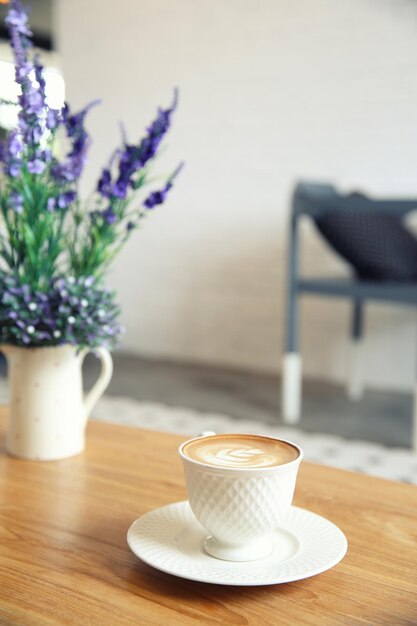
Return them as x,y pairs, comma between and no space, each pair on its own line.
271,91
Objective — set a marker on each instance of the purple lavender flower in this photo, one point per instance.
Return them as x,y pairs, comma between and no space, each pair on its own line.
75,123
13,168
39,77
45,155
51,204
52,118
35,134
16,201
66,313
35,308
133,158
65,172
104,184
73,165
23,71
25,290
17,19
32,102
14,144
109,215
32,98
36,166
157,131
158,197
119,189
17,23
65,199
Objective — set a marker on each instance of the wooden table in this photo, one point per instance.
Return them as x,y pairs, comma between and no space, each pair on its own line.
64,557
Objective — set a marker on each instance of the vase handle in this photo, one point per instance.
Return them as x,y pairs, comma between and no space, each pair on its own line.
103,380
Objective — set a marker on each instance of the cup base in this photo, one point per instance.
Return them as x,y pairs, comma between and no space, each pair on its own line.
253,551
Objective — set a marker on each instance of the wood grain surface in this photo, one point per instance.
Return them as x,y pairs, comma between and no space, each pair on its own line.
64,557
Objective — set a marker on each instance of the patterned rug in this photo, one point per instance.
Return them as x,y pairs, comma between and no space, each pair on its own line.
360,456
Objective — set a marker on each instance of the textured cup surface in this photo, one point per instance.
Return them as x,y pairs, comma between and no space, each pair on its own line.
240,506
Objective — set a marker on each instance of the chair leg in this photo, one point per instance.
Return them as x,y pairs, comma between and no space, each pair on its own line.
291,388
414,422
291,370
355,385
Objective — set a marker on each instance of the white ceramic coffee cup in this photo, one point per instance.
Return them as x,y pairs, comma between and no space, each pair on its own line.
240,507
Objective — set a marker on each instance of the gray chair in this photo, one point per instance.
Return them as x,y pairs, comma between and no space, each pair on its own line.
314,200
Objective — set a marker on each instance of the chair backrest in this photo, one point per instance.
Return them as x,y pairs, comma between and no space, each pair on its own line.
315,199
366,233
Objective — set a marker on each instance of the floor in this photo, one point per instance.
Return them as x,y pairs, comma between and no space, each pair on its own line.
380,417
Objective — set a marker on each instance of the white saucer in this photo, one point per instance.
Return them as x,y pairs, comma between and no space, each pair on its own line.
170,539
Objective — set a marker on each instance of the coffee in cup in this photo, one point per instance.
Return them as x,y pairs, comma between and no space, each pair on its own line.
239,488
240,451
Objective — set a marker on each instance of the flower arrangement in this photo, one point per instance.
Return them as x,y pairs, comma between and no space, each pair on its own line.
54,249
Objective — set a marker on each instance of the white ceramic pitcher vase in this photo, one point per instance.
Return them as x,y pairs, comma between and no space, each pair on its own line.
48,411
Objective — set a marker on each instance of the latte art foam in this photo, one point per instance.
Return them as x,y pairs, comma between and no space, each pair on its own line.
240,451
231,457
